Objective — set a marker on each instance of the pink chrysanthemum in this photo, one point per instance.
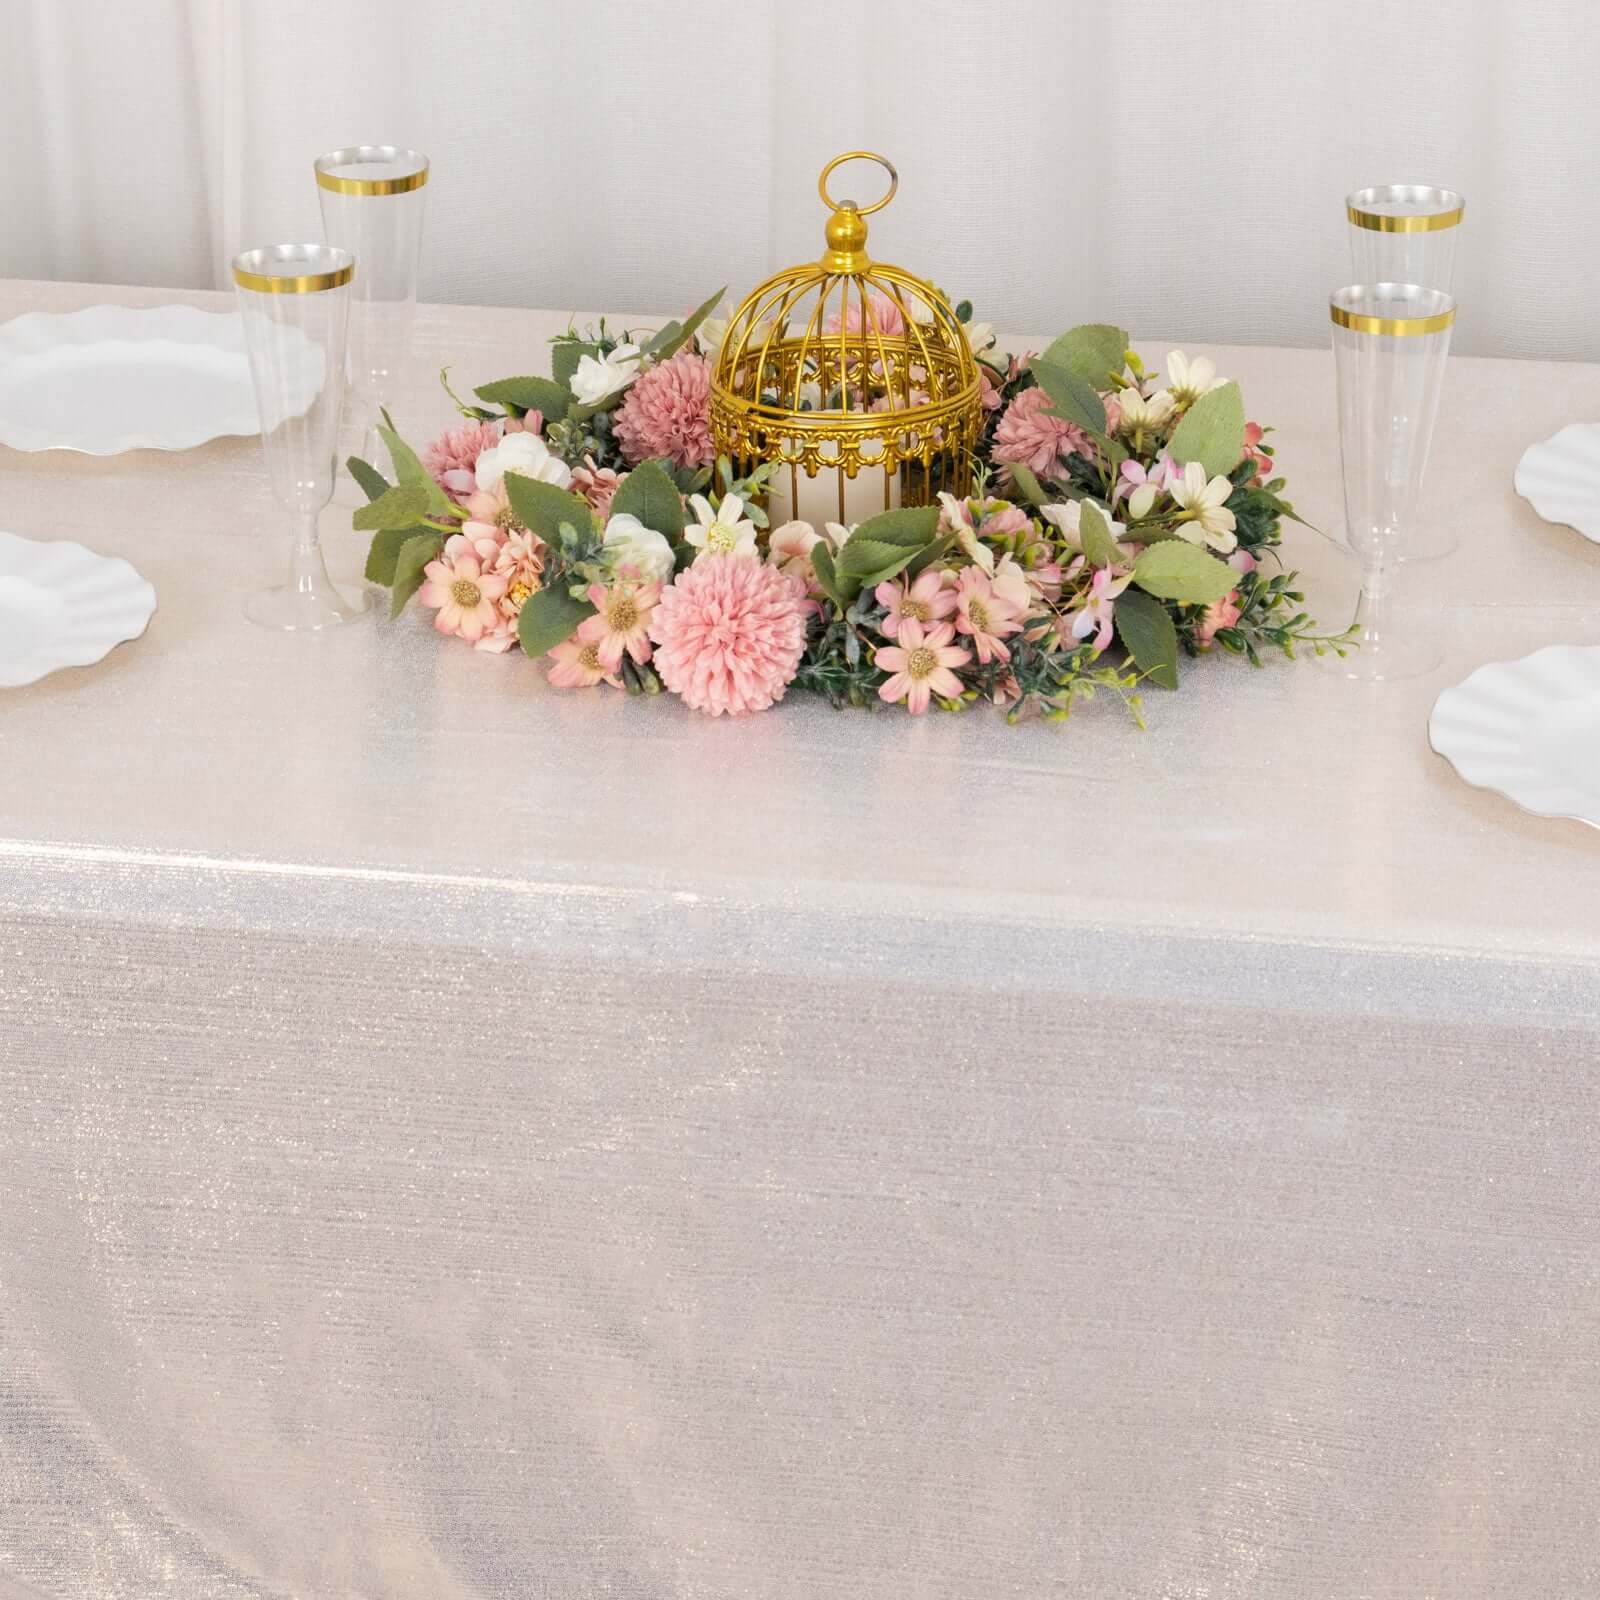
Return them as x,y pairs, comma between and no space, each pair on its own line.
452,456
1033,436
729,634
667,413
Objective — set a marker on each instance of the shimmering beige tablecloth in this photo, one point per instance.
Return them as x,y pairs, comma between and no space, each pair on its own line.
461,1140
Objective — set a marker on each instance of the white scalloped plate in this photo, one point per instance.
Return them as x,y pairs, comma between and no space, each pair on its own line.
1560,478
1529,730
64,606
112,378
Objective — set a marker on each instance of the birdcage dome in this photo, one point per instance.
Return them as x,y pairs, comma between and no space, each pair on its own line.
846,371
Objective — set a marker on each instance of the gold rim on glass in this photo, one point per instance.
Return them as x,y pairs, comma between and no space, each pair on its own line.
338,267
1389,294
1447,208
367,155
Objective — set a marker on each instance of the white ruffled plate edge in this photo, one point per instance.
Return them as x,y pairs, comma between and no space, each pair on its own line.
1550,471
1477,726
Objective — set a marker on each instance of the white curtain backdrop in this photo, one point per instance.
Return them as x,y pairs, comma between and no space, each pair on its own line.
1176,165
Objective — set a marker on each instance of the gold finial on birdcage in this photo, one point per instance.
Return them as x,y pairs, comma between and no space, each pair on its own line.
846,370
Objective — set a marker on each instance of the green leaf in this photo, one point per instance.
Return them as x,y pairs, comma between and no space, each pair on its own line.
1096,353
565,356
827,578
409,469
668,341
373,483
1212,432
650,494
542,507
911,527
400,507
1095,534
928,554
544,395
415,554
1070,396
873,560
549,618
1032,489
1146,630
384,552
1178,570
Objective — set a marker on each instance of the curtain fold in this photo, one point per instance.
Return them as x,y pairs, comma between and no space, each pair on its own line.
1177,167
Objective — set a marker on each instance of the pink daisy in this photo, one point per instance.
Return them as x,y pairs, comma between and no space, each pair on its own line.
463,592
597,485
621,621
576,664
667,413
984,616
729,634
921,666
927,599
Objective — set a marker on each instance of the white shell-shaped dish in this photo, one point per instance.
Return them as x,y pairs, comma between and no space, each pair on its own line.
1560,478
64,606
1529,730
111,378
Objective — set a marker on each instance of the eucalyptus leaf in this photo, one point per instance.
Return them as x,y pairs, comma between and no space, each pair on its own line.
650,494
415,554
1211,432
544,395
1095,534
1146,630
542,507
1070,396
373,483
548,618
399,507
1096,353
1178,570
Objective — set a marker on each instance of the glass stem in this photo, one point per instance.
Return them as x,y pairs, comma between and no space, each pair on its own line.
308,573
1372,608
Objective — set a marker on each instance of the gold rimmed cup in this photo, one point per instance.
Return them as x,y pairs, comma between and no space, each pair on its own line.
294,302
1390,343
1405,233
373,197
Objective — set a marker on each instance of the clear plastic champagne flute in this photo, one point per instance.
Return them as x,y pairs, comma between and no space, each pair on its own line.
1407,233
1390,341
372,198
294,300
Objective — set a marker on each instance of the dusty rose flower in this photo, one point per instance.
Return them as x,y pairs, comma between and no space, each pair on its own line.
667,413
729,634
927,599
1253,435
985,616
988,392
621,621
452,456
1225,612
597,485
1033,436
533,422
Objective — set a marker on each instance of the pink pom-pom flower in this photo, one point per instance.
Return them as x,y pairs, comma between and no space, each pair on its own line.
667,413
729,634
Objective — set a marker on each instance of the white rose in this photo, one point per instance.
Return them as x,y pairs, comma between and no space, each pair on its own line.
631,544
980,335
598,379
524,453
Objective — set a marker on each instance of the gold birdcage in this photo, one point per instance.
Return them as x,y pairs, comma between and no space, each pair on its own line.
848,374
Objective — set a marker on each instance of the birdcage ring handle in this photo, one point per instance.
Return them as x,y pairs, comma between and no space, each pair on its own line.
858,155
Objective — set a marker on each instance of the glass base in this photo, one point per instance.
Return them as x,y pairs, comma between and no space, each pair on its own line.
1430,541
1384,657
295,609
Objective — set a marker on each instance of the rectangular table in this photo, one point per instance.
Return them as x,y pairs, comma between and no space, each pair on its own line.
466,1139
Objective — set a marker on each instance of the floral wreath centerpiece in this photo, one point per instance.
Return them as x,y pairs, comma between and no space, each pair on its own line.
1090,524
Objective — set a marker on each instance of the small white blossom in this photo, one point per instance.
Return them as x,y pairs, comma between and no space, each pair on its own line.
599,378
1206,518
